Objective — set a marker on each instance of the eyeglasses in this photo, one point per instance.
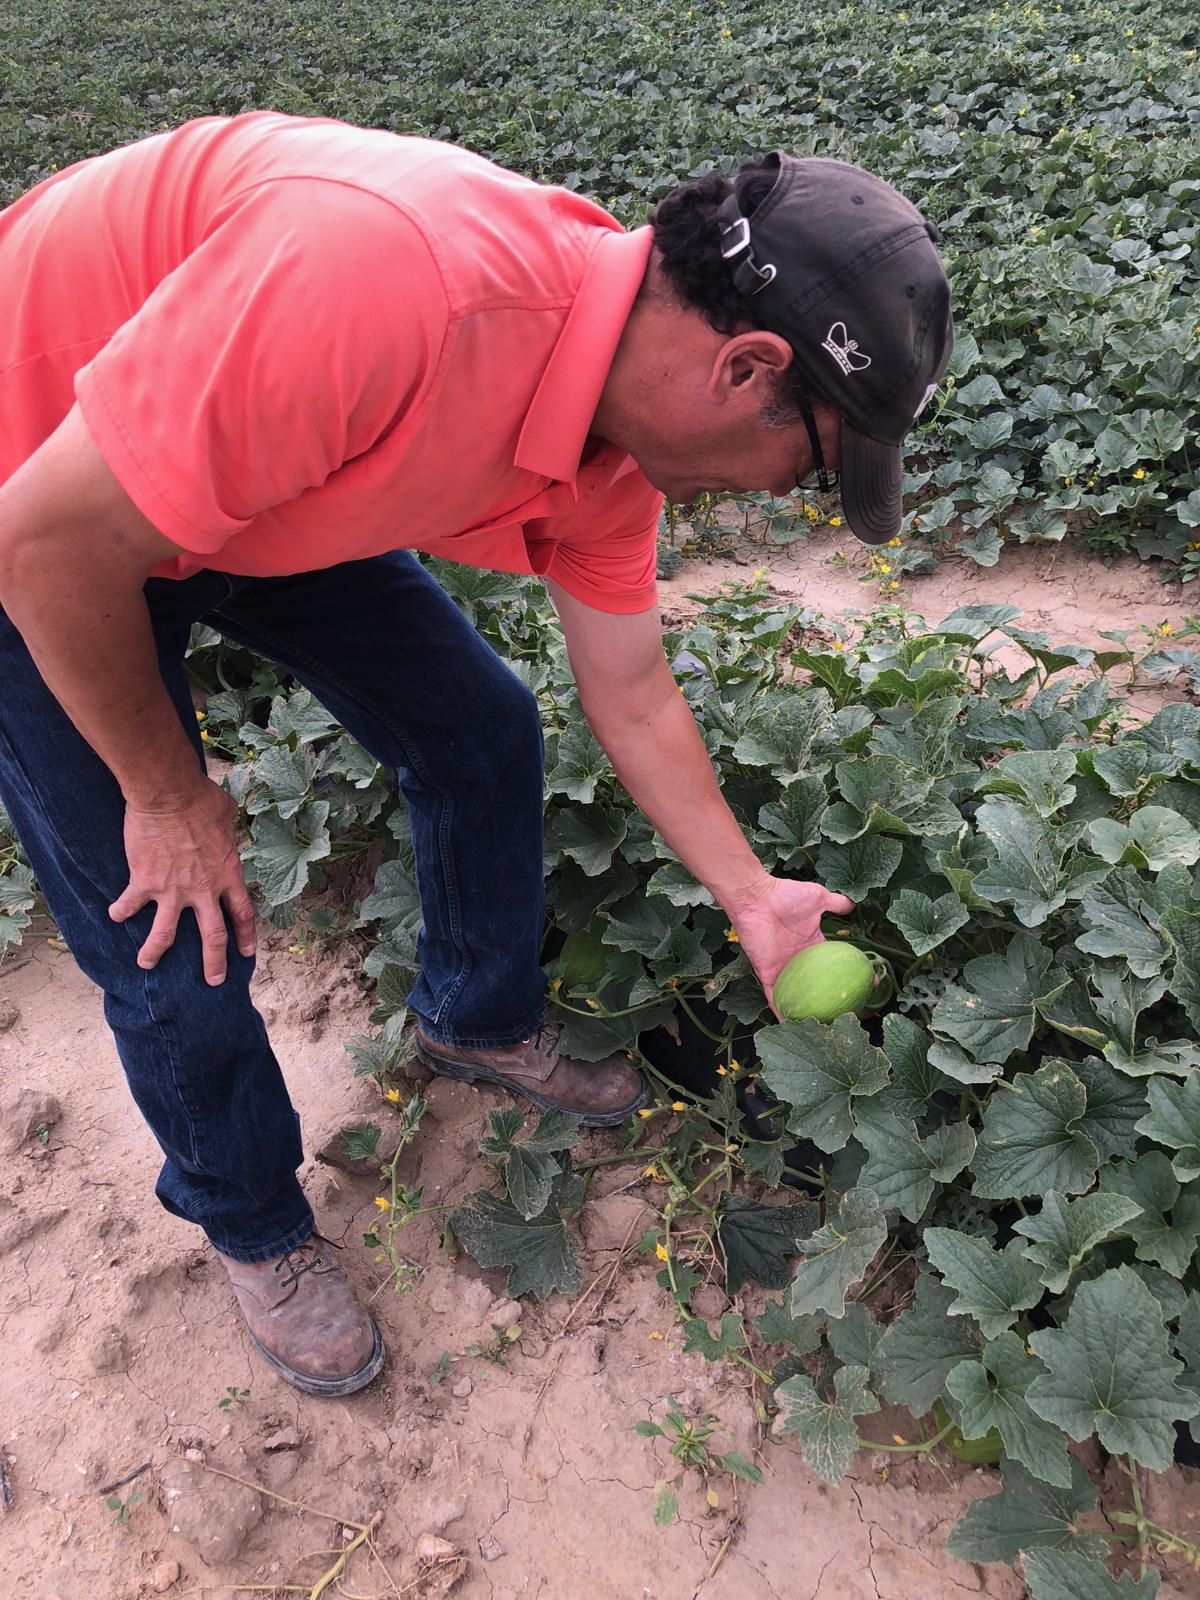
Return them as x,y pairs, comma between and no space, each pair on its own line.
822,478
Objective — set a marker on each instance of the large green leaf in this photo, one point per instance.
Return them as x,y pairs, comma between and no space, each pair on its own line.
1066,1575
1026,867
1119,922
837,1256
793,822
1033,1138
825,1429
817,1070
1064,1232
993,1286
1168,1229
903,1169
856,868
991,1394
1027,1515
589,835
1111,1372
580,766
281,852
1174,1120
783,731
992,1013
914,1080
757,1240
927,923
922,1346
540,1252
1042,777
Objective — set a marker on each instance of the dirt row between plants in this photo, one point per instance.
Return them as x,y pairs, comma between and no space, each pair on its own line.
123,1359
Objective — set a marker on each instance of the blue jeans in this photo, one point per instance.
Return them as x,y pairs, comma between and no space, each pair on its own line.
386,651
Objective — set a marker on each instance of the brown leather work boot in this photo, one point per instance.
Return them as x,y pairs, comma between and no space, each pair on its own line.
305,1320
600,1093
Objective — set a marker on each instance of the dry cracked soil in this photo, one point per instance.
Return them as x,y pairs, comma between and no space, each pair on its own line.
517,1482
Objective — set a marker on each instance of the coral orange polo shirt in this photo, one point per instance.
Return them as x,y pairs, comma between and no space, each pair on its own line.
297,342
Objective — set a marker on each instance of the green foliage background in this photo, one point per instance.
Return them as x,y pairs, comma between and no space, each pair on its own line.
1058,148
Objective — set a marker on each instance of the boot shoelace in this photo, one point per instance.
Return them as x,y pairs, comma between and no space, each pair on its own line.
304,1258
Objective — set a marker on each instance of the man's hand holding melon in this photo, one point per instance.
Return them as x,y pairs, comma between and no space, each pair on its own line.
783,917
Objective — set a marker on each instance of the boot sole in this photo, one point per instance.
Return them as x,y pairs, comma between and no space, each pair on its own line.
329,1388
590,1119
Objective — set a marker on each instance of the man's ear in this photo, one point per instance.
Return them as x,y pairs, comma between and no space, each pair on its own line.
748,363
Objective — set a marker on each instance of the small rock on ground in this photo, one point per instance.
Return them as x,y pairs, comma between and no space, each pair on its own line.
23,1113
164,1576
211,1513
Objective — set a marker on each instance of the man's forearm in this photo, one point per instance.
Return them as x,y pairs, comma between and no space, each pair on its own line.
661,760
89,633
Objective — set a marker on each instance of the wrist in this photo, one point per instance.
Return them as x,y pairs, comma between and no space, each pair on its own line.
746,894
163,796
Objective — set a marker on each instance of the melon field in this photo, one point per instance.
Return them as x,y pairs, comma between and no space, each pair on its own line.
899,1300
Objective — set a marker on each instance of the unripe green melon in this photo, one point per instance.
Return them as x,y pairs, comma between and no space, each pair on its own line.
585,957
824,982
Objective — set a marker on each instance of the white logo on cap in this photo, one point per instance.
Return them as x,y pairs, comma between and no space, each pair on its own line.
844,349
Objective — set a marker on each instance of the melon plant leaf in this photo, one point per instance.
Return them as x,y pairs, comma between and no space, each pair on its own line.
1027,1515
926,923
922,1346
1066,1575
825,1429
701,1342
991,1394
993,1013
1187,1345
589,835
903,1169
540,1252
1174,1120
281,852
1026,870
1114,1104
1111,1372
1032,1138
580,766
528,1177
1168,1229
1042,777
555,1130
1164,836
993,1286
757,1240
1183,927
1115,916
287,775
776,1325
817,1069
855,1337
914,1080
856,868
837,1256
792,823
1065,1232
783,731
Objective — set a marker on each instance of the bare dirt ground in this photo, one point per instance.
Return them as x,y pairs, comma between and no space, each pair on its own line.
119,1340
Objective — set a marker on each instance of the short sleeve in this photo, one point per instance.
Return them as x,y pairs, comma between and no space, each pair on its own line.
307,323
606,551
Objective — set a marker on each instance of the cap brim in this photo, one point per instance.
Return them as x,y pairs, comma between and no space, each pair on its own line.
872,477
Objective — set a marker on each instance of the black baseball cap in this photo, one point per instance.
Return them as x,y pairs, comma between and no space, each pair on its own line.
844,268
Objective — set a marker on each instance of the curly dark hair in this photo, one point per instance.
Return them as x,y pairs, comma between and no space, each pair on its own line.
689,245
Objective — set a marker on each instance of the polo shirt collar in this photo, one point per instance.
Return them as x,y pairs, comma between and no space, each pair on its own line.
556,425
